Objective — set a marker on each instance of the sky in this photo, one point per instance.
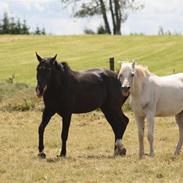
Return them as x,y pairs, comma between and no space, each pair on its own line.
59,21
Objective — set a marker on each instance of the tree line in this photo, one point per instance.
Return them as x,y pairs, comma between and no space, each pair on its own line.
10,25
115,11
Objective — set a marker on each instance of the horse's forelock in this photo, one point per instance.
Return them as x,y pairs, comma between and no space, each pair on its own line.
124,65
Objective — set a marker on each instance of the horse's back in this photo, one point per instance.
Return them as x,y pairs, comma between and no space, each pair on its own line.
173,78
99,87
169,94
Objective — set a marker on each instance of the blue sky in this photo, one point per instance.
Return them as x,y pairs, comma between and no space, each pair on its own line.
56,20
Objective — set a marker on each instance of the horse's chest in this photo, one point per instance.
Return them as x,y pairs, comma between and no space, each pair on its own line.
137,107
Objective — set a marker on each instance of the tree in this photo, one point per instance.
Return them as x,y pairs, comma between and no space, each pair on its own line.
101,30
118,10
18,28
5,24
13,26
37,31
161,31
43,31
25,28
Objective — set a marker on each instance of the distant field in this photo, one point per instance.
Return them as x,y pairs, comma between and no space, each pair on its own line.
90,144
17,53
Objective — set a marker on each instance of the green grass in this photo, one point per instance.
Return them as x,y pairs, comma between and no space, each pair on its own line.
17,53
90,143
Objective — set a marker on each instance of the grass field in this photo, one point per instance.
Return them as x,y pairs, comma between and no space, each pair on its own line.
90,145
17,53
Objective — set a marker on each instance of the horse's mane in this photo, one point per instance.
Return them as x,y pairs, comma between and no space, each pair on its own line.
63,66
141,71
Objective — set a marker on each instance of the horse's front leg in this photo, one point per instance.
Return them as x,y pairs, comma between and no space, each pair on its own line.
47,114
150,134
65,130
140,125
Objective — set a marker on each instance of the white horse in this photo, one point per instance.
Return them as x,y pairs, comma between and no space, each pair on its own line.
152,96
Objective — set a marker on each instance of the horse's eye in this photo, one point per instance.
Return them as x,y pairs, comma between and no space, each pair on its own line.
132,74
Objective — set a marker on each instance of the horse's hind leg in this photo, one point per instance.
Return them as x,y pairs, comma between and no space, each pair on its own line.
150,133
65,130
118,122
179,120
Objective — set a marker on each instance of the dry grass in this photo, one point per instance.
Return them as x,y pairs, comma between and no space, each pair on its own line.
90,145
90,150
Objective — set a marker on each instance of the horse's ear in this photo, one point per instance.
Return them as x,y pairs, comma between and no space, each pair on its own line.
133,65
121,62
52,60
38,57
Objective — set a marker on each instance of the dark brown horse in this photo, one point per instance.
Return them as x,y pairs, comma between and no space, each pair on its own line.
65,92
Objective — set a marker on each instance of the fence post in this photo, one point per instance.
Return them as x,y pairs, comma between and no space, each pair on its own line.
111,63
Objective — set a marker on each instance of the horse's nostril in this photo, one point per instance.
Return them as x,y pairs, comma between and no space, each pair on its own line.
125,87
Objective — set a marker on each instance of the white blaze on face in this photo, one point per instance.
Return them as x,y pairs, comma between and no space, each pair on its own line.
126,76
126,83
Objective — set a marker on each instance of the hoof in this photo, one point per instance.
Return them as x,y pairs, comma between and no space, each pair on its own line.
61,156
42,155
120,152
151,155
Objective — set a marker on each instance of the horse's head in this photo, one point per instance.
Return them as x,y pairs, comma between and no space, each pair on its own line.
125,76
44,70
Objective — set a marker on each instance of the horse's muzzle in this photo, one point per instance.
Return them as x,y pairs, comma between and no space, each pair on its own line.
40,91
125,91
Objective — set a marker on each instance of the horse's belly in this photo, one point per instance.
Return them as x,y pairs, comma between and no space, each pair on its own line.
170,100
87,107
88,104
169,109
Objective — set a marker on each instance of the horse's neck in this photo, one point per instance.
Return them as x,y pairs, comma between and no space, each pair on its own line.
138,87
57,81
63,81
141,77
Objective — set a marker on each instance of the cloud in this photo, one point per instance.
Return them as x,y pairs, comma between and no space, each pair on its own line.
4,7
165,13
49,14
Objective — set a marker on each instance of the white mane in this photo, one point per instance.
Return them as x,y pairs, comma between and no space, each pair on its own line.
141,73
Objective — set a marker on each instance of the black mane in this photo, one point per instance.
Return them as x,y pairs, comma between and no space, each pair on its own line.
63,66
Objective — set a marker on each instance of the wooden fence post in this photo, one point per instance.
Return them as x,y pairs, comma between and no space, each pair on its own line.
111,63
